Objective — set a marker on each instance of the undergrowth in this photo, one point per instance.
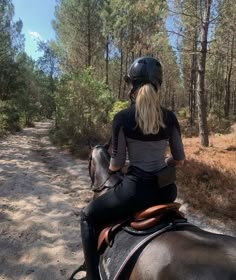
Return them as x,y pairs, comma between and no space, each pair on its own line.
207,181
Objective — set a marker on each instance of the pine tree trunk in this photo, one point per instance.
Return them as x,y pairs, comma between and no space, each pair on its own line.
192,89
234,101
121,65
202,117
107,59
89,58
193,76
228,81
126,70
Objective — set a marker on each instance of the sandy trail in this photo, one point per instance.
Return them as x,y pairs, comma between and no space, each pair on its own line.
42,191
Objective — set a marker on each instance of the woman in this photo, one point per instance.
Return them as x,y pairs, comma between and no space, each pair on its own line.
143,130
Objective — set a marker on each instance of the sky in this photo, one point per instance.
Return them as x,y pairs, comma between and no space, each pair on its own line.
37,16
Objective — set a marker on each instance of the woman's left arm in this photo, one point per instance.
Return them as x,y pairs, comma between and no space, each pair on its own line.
118,155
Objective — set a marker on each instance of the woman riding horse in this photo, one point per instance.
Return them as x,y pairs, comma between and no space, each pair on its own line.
143,131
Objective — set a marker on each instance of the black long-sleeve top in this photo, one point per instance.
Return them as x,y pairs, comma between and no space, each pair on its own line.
146,151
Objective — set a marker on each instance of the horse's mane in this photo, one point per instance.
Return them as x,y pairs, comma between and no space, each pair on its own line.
101,151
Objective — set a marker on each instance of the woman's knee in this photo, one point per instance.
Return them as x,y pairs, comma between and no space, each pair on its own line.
85,216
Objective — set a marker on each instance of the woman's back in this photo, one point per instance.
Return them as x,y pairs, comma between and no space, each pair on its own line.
145,151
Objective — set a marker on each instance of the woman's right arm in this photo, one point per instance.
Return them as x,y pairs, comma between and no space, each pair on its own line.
175,163
176,146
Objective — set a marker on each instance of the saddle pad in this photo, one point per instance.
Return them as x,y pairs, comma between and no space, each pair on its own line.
126,244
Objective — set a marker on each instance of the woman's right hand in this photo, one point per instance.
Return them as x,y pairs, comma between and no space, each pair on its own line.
174,163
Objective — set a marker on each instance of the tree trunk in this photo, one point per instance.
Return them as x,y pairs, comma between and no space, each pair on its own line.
202,118
107,59
192,89
132,40
234,101
228,82
121,65
193,76
173,101
89,58
126,70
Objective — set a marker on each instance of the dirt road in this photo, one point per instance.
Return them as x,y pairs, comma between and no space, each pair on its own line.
42,191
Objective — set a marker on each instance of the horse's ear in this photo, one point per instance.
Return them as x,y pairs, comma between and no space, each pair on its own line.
90,144
106,146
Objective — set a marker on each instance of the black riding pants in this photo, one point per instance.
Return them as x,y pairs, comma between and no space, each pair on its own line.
131,195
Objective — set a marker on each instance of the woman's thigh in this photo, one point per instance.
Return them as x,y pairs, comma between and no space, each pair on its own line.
117,203
131,195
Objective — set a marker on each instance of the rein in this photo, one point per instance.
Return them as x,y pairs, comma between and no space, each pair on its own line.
102,186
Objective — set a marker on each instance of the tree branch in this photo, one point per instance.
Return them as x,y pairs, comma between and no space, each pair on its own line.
183,14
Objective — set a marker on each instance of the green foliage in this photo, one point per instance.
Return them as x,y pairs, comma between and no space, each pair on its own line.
9,117
78,27
82,107
27,95
117,32
117,107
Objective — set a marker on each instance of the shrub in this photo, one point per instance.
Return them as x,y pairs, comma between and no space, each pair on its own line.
118,106
9,117
82,107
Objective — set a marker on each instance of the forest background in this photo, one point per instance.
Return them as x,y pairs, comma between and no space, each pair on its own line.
78,81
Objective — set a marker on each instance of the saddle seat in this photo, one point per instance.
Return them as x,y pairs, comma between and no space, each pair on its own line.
141,220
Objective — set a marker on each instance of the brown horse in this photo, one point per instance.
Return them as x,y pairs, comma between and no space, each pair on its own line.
185,253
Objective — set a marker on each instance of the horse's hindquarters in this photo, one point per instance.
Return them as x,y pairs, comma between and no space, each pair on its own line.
188,254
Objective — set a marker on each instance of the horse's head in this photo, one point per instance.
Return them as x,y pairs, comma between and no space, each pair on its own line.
99,161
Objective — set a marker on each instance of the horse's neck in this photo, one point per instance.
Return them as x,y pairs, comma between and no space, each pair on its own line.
106,179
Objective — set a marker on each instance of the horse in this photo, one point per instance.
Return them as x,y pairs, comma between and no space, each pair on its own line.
182,253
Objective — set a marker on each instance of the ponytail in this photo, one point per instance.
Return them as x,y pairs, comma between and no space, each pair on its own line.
148,114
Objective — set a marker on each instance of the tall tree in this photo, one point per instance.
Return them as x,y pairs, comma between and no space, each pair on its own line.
221,70
134,28
195,18
188,14
48,63
11,43
202,115
79,33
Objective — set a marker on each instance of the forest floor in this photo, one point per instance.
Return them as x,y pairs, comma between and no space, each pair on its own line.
207,182
43,188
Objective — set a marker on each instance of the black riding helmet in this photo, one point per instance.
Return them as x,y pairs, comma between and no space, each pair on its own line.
144,70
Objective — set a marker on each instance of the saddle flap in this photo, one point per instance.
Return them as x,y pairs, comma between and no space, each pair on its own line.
155,210
107,234
103,236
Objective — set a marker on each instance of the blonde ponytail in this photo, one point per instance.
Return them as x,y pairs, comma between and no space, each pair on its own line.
148,114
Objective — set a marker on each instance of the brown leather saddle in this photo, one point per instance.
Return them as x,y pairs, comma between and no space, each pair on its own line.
141,220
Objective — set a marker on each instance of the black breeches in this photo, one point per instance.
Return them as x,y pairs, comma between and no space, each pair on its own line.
131,195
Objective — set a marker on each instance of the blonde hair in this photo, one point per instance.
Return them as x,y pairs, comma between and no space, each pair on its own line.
148,113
